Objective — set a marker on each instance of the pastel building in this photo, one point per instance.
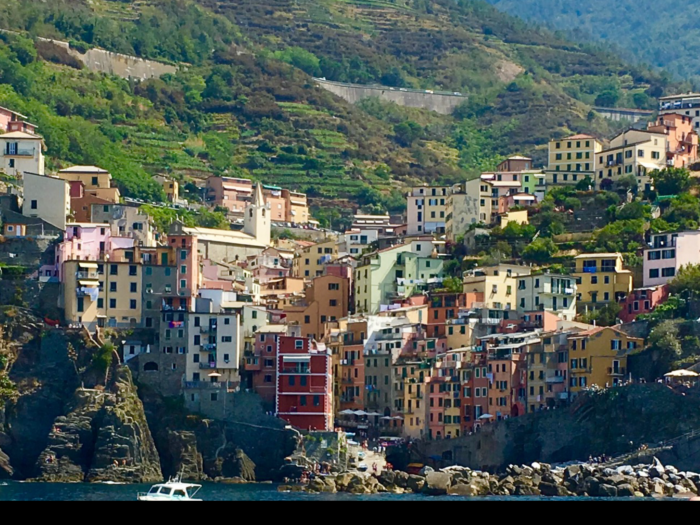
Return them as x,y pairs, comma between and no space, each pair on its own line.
642,301
687,104
601,279
97,180
548,292
598,356
572,159
667,253
682,138
632,152
496,284
469,203
229,192
427,210
46,198
21,152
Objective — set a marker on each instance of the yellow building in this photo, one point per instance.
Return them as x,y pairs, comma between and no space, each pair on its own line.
572,159
309,262
498,284
599,357
97,180
102,293
171,189
601,279
409,384
518,217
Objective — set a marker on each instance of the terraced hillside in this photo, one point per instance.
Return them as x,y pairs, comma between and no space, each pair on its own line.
246,104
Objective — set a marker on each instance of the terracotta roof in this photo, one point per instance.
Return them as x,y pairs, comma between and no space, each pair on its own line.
579,136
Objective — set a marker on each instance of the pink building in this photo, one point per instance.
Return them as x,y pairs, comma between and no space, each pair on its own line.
667,253
682,146
277,203
88,242
260,367
186,250
11,121
642,301
229,192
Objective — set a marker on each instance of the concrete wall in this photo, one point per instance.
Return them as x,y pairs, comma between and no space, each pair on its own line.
618,114
123,66
439,102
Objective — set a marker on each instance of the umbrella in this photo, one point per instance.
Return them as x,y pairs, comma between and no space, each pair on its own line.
385,417
397,417
682,373
360,413
374,414
485,416
347,412
214,374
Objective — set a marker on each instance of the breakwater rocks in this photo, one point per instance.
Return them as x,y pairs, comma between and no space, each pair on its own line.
537,479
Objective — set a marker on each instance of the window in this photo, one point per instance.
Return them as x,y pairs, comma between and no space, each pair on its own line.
133,287
183,269
81,304
183,255
112,303
302,401
226,339
292,380
307,319
100,303
333,302
668,272
317,400
132,304
132,270
298,344
113,269
112,287
654,273
34,205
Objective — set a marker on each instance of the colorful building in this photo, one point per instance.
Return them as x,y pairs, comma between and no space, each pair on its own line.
304,394
598,356
572,159
547,292
642,301
667,253
601,279
427,210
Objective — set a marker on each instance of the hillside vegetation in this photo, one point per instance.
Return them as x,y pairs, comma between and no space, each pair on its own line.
244,102
662,33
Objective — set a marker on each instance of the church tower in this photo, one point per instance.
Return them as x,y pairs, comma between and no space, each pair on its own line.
257,217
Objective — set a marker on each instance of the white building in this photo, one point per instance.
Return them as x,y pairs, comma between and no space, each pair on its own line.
47,198
547,292
687,104
21,152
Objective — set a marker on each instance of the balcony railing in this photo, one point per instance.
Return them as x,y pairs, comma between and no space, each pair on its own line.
87,275
207,366
207,385
20,152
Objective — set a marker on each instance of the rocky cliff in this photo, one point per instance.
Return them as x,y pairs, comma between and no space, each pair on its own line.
75,414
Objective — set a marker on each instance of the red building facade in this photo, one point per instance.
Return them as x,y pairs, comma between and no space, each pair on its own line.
304,392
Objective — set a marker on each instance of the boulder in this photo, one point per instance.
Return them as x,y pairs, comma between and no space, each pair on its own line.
415,483
550,489
625,490
437,483
401,479
607,491
526,490
387,477
625,470
514,470
343,480
426,470
462,489
657,470
571,471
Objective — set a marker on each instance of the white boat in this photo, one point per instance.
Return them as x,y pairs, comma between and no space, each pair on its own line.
173,490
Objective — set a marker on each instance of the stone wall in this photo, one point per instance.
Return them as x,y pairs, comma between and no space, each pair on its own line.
619,114
439,102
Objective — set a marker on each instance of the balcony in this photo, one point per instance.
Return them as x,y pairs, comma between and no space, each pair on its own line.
87,275
19,152
208,385
211,365
555,379
617,372
83,292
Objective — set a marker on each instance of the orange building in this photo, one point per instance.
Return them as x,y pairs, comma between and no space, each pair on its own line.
682,140
441,308
326,299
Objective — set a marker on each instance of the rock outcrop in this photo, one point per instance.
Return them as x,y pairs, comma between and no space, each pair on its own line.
6,470
186,459
103,437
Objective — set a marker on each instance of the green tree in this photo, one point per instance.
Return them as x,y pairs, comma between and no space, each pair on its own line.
452,284
540,250
686,281
671,181
605,316
585,184
406,133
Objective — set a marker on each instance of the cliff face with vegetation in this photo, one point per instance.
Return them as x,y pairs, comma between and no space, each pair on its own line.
246,103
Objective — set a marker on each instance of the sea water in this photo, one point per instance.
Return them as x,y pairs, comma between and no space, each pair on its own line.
18,491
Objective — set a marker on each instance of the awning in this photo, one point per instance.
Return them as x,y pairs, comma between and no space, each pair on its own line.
88,283
296,358
649,166
88,265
